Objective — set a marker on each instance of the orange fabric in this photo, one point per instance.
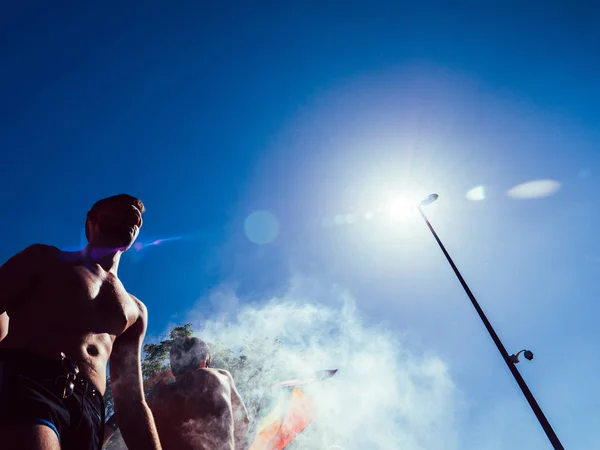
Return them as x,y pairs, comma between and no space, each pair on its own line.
281,430
298,418
265,436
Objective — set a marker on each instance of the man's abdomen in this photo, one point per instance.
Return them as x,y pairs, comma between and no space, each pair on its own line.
50,343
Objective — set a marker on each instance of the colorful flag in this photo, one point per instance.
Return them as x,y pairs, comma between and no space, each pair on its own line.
292,411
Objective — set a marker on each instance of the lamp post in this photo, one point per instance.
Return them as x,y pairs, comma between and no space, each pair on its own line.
509,360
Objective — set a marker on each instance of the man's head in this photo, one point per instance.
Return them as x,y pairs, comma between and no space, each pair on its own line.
189,353
114,221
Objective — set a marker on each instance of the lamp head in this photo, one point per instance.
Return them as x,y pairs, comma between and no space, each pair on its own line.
429,200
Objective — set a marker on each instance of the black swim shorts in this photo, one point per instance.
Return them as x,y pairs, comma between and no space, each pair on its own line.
32,390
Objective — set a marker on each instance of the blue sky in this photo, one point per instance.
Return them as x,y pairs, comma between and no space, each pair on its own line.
311,112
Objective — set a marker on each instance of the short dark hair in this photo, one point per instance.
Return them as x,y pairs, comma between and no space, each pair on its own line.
123,198
187,354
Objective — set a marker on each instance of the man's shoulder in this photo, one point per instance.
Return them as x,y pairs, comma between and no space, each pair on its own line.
138,320
206,378
223,375
223,372
143,311
37,256
136,300
209,372
37,250
42,247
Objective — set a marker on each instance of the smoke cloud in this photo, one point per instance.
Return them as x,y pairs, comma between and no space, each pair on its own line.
383,397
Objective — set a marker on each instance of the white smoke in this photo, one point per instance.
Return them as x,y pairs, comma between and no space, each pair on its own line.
383,397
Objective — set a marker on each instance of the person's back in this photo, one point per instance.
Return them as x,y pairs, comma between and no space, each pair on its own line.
195,412
201,410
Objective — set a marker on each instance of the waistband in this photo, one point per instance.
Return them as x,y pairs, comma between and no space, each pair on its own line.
39,367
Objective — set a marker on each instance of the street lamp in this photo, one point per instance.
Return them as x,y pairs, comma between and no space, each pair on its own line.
509,360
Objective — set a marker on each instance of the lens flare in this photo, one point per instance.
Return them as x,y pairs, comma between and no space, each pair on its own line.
534,189
476,194
261,227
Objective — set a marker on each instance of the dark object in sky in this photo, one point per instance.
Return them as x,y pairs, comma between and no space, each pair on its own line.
515,357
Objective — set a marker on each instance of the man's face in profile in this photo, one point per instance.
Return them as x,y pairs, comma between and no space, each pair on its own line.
116,224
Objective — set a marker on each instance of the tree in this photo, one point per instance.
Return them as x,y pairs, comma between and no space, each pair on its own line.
157,354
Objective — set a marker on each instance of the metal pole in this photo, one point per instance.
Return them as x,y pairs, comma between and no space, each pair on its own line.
513,369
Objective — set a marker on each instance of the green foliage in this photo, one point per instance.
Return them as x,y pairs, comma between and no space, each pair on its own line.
109,406
157,354
179,332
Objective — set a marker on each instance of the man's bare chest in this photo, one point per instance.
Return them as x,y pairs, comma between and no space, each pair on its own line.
96,296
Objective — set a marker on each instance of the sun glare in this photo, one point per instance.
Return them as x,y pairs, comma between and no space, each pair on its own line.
402,207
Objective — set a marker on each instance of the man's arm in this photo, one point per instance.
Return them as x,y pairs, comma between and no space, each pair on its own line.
135,419
240,416
18,272
3,325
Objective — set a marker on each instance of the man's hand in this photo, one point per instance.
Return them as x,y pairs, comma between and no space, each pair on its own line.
135,419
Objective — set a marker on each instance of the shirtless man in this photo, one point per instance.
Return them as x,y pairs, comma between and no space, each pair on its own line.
202,409
66,314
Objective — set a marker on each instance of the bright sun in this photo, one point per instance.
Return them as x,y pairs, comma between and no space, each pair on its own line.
402,207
